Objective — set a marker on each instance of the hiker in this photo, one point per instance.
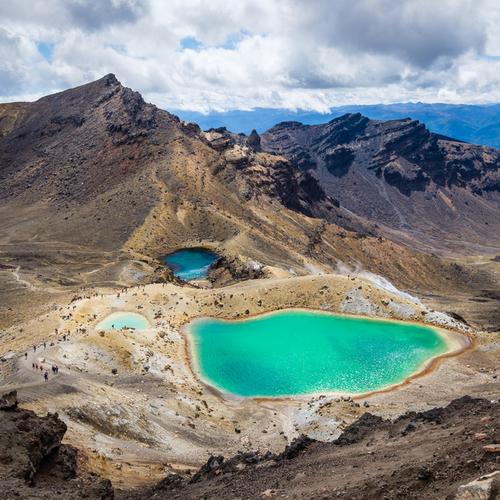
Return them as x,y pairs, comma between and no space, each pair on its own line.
25,355
46,376
41,368
34,348
45,345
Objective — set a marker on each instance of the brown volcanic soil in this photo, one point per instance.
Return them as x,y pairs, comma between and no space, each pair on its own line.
418,455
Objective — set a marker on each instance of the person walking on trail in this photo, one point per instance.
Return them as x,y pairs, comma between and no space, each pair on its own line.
34,348
46,376
33,365
25,355
45,345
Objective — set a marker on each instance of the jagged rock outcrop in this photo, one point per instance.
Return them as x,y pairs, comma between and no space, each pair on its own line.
227,270
253,140
34,463
262,175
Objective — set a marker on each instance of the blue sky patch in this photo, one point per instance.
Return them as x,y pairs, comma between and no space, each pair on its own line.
190,42
46,49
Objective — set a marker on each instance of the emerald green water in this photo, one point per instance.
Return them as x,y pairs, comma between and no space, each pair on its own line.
300,352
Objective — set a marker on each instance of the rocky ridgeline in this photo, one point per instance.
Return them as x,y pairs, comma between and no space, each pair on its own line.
262,175
423,157
398,173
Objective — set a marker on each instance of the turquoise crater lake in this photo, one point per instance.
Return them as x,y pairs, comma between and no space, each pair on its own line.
119,320
191,263
295,352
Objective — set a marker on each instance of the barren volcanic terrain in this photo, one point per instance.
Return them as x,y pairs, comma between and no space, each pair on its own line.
357,217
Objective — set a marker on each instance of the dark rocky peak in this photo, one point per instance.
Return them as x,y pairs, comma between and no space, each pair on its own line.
110,79
406,138
83,96
403,153
56,116
219,130
253,140
347,120
90,133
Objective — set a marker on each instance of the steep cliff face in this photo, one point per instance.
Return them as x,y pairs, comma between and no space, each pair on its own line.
261,175
399,174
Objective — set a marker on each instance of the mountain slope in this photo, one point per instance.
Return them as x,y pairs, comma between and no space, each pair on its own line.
440,192
98,159
96,185
419,455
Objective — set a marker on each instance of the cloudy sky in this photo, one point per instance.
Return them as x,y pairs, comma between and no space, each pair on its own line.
220,55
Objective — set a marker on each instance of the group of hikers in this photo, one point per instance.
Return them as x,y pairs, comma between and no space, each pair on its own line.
39,366
54,368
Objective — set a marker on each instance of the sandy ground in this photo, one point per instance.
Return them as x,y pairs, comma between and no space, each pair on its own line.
134,406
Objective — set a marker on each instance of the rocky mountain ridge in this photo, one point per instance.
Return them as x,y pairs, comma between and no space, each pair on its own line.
398,174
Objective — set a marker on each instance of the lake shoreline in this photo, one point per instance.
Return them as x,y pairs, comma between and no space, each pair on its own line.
457,343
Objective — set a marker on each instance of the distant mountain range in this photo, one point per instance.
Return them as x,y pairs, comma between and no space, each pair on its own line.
477,124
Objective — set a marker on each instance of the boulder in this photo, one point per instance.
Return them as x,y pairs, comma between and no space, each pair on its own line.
483,488
8,401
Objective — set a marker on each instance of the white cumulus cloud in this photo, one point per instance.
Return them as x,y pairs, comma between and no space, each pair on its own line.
218,55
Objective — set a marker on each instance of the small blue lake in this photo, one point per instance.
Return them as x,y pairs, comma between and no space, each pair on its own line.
190,263
119,320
